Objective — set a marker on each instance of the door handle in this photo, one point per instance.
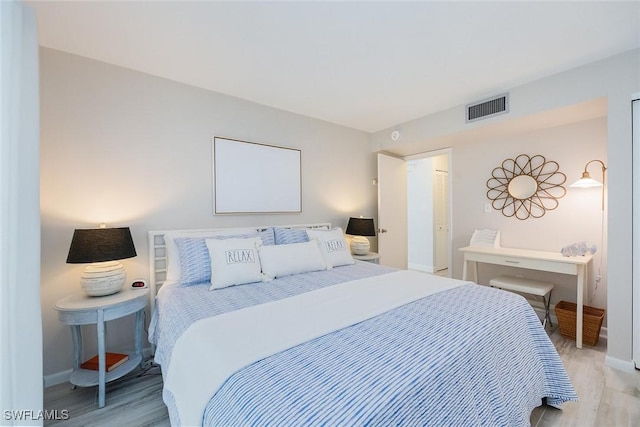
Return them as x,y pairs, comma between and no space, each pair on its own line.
382,230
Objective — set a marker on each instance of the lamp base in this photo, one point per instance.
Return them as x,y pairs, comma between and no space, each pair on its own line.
360,245
103,278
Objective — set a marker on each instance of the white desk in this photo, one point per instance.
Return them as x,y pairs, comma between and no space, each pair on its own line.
533,260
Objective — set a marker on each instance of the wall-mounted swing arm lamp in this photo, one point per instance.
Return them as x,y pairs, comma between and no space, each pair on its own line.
587,182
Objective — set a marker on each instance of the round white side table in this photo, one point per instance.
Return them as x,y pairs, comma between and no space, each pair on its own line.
369,257
79,309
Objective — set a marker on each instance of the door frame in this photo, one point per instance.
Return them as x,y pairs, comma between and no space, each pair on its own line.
635,290
436,153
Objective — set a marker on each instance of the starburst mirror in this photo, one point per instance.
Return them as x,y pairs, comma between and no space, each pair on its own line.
526,186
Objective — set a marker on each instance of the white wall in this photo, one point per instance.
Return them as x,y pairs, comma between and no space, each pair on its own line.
130,149
571,146
577,218
539,105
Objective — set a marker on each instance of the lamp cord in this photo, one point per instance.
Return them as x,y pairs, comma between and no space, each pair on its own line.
599,275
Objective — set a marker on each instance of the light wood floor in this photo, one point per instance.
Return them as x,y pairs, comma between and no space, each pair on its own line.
607,397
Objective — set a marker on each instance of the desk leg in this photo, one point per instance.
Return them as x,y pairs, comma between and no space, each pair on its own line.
101,359
579,304
474,270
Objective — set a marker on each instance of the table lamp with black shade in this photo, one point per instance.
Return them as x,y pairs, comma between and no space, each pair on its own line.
359,228
101,248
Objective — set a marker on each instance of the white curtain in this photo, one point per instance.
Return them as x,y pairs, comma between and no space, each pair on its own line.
20,315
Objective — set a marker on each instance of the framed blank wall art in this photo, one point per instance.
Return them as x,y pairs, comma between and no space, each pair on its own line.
255,178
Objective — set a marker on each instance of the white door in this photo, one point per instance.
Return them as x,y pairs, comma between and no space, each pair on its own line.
441,220
392,211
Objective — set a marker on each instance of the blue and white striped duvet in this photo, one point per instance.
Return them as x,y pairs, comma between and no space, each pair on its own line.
469,356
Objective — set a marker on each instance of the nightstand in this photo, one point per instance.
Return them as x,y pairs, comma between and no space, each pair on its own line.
79,309
369,257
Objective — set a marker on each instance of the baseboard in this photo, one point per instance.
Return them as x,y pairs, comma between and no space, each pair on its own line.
63,376
620,365
57,378
604,333
421,267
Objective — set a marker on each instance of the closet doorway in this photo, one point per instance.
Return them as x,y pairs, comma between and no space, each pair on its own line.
414,211
428,243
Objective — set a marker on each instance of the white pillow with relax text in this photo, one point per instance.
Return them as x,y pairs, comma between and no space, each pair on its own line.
333,246
234,262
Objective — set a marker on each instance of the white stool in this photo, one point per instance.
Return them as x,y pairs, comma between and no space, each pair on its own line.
527,286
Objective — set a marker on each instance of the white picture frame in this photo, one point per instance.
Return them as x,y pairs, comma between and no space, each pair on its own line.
254,178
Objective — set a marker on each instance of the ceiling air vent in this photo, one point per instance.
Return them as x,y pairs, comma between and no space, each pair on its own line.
488,108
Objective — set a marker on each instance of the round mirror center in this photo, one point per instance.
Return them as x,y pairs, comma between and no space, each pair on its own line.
522,187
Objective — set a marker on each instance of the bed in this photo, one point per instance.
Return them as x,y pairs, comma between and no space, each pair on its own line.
354,343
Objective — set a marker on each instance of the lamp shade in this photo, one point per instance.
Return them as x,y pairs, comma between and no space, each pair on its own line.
586,182
361,227
100,245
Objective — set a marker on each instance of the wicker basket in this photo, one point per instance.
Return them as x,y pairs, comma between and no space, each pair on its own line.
591,321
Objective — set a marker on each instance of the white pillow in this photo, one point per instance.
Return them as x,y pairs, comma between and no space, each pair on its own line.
294,258
333,245
234,262
174,271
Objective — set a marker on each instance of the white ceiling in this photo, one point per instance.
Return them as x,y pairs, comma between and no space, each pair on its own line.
365,65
